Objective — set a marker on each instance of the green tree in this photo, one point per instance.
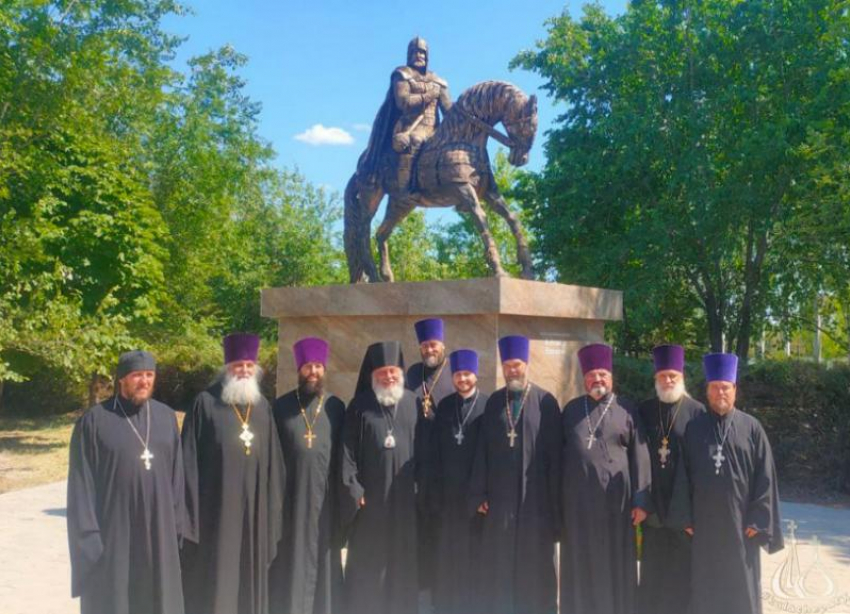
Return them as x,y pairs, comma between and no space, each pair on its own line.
79,259
698,142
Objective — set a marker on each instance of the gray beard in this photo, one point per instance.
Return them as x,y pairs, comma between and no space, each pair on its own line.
240,391
433,361
516,385
388,396
598,391
671,396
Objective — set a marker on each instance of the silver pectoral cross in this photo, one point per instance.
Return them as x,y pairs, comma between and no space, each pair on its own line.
512,437
591,439
246,438
147,457
459,437
718,460
663,453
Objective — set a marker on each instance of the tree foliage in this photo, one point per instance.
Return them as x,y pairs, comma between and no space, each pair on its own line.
138,204
701,157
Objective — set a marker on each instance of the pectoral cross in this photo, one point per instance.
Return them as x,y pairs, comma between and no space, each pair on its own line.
591,439
663,452
146,457
718,460
246,438
459,437
426,405
512,437
309,436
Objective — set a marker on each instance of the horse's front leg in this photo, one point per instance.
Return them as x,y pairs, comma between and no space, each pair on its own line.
397,210
498,204
470,203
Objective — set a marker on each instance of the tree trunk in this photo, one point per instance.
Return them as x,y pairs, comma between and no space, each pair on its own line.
94,382
816,346
2,388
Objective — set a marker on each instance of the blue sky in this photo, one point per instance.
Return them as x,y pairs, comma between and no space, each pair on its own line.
328,62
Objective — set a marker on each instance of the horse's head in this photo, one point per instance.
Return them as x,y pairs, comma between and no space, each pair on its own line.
520,123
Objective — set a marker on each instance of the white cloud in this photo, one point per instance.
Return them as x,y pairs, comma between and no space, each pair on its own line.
325,135
362,127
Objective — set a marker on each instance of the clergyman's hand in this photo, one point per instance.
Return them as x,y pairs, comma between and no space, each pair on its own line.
638,515
484,508
362,501
751,532
689,531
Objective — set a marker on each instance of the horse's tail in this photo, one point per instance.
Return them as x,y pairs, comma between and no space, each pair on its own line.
357,235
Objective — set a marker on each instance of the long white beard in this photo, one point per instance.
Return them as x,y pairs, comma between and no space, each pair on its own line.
235,391
673,395
388,395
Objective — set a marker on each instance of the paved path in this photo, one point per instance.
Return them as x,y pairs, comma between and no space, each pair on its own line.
35,573
811,575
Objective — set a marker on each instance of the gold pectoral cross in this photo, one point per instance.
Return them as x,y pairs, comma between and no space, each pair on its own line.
664,451
426,405
512,436
309,436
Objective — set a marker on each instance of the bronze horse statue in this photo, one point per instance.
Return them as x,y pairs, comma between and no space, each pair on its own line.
452,169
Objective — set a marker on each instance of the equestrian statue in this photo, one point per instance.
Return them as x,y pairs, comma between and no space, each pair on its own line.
425,151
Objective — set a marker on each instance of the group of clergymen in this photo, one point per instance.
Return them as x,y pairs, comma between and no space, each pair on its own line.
433,485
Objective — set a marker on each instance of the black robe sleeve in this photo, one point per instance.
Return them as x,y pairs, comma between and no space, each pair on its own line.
763,509
640,469
84,539
277,486
478,488
680,514
189,440
552,434
352,489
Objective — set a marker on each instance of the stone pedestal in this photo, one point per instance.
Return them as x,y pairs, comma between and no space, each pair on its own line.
559,319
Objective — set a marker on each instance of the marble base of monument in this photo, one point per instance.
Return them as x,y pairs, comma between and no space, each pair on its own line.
559,319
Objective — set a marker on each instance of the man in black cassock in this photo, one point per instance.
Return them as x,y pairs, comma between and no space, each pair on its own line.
125,499
306,577
455,439
514,486
378,501
431,382
665,568
726,496
234,488
605,494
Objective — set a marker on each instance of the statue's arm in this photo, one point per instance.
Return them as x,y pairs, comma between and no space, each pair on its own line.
445,99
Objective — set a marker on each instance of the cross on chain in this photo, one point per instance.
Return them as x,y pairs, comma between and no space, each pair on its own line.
591,439
147,457
512,437
309,436
246,437
663,453
459,437
718,460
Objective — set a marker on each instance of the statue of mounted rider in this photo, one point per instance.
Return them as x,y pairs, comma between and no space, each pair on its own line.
425,151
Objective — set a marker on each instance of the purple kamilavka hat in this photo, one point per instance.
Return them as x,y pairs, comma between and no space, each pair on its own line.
669,358
514,347
596,356
241,346
310,349
429,329
720,367
464,360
